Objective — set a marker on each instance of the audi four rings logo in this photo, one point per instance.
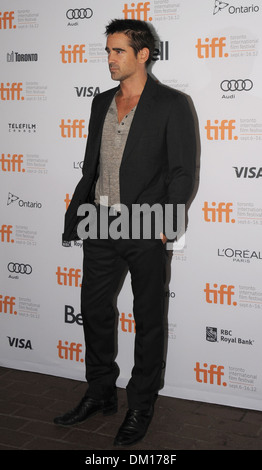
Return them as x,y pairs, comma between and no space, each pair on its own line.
236,85
79,14
19,268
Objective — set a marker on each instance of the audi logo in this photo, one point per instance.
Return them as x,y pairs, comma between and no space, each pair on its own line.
19,268
236,85
80,13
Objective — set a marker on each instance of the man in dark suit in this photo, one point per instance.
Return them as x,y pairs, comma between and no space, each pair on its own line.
141,150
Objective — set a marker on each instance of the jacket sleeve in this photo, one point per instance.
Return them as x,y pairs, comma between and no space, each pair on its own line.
181,153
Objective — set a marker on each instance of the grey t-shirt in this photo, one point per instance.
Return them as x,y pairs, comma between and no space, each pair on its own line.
114,137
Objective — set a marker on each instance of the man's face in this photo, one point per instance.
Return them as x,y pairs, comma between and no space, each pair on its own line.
122,61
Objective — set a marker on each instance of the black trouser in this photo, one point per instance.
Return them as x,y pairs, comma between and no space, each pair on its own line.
105,262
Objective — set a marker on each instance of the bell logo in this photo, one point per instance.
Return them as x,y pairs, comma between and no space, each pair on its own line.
70,351
212,49
11,91
11,163
69,277
207,376
161,52
73,54
135,10
221,295
7,305
218,213
6,20
5,234
127,324
72,317
221,131
73,129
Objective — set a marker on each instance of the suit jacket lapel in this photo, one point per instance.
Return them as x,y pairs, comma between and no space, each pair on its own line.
141,116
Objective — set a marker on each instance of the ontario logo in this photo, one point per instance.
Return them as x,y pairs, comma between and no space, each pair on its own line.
21,203
232,10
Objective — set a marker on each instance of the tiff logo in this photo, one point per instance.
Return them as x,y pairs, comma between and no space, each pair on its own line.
11,163
7,305
5,233
212,49
11,91
67,200
6,20
73,129
69,277
222,131
205,375
73,54
221,213
137,11
220,294
70,351
127,324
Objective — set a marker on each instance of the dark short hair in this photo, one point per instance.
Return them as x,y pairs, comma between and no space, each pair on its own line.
137,31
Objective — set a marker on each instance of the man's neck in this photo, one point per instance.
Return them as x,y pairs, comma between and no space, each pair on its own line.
132,87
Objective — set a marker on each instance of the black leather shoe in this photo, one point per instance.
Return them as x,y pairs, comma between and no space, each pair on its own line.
88,407
134,427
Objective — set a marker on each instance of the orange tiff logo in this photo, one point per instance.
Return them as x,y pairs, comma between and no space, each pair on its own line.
11,163
207,375
6,20
7,304
221,131
127,324
74,129
220,294
68,277
5,233
70,351
73,54
67,200
11,91
137,11
218,212
211,48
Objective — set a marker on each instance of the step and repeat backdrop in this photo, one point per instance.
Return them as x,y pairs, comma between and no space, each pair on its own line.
53,63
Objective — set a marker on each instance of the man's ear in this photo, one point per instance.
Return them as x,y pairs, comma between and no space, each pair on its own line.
143,55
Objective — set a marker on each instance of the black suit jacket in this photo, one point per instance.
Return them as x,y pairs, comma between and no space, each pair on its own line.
158,164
